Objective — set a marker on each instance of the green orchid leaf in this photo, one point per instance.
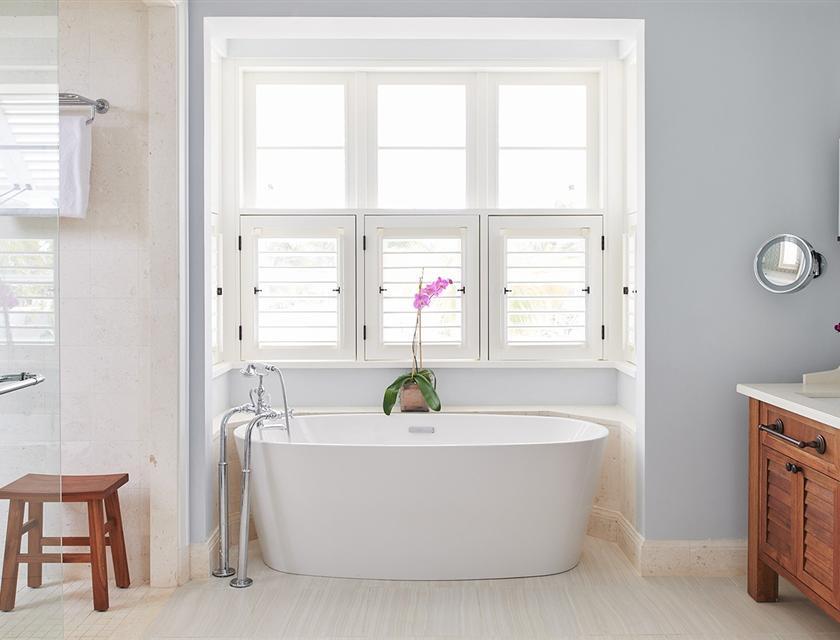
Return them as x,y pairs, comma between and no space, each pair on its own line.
428,391
429,375
391,393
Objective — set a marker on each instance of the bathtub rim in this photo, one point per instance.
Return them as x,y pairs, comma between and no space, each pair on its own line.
238,429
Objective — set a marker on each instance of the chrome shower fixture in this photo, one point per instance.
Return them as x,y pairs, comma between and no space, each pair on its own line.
260,406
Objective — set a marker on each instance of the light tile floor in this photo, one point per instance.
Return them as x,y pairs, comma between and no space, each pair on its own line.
602,599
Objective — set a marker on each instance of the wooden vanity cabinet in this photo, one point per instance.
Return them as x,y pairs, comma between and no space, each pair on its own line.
794,494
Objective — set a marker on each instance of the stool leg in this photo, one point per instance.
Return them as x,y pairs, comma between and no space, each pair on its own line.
112,510
34,545
98,561
8,588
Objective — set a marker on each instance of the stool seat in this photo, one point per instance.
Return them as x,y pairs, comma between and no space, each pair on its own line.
27,496
44,487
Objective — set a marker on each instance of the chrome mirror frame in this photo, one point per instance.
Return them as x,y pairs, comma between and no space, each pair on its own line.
813,267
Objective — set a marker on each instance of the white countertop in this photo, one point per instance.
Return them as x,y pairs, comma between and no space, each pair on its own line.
790,397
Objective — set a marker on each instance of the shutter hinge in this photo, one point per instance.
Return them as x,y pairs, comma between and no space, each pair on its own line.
603,243
240,243
625,290
240,332
364,332
218,291
364,243
603,332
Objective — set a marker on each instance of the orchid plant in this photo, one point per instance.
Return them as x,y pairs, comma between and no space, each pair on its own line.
423,378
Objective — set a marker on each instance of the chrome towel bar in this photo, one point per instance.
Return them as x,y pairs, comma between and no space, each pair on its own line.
100,105
14,381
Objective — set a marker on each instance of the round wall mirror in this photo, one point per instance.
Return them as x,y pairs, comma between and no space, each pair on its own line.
787,263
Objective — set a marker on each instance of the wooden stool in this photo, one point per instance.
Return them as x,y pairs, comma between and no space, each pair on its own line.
36,489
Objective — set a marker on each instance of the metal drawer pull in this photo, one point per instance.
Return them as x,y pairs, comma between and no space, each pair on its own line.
777,430
793,468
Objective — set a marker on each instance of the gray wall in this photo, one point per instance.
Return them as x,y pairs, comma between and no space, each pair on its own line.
742,122
625,391
364,387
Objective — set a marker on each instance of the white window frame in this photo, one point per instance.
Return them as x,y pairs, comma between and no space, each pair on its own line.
287,226
377,79
591,80
420,226
629,277
502,227
249,81
361,154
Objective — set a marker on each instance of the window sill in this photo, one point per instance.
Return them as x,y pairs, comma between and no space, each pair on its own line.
625,367
221,368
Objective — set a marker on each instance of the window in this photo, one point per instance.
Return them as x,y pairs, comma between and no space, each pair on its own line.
546,141
295,141
27,291
545,294
400,251
419,162
421,142
29,139
298,287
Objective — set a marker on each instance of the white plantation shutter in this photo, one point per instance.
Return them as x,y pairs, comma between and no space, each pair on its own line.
401,250
630,294
27,291
28,149
216,279
545,290
298,287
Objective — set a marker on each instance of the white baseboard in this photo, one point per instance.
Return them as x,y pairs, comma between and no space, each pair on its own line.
705,558
204,556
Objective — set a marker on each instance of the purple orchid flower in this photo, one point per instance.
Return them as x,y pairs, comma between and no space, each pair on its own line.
424,297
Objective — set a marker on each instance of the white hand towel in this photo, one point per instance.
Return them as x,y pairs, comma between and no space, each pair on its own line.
74,165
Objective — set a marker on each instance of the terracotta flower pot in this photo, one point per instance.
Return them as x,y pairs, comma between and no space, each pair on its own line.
411,399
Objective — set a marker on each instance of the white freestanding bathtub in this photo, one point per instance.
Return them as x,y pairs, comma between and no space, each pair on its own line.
424,496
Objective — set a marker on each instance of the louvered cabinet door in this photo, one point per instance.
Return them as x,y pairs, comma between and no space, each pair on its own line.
778,510
817,546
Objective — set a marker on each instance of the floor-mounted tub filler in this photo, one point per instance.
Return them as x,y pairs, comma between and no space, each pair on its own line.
260,406
422,496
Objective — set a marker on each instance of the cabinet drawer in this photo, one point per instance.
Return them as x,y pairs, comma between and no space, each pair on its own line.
803,429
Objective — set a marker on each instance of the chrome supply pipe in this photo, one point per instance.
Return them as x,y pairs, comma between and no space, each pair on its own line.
242,580
223,569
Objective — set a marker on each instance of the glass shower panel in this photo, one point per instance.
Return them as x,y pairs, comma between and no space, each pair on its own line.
31,596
